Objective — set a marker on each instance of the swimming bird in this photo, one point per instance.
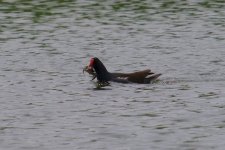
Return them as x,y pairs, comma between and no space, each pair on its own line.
98,70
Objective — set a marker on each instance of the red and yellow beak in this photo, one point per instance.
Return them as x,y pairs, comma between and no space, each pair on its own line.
91,64
90,67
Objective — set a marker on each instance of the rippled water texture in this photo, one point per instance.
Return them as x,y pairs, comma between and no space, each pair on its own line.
47,103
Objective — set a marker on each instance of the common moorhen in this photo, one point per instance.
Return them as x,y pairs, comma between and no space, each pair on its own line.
97,69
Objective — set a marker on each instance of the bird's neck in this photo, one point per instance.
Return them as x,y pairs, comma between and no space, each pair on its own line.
102,73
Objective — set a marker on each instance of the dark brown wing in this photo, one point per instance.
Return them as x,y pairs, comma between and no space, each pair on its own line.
145,76
140,76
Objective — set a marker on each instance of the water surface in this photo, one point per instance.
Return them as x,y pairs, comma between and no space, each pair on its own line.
47,103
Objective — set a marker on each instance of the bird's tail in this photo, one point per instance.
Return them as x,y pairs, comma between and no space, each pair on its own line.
152,77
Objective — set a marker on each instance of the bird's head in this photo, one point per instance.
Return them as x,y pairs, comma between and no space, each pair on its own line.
95,65
91,63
